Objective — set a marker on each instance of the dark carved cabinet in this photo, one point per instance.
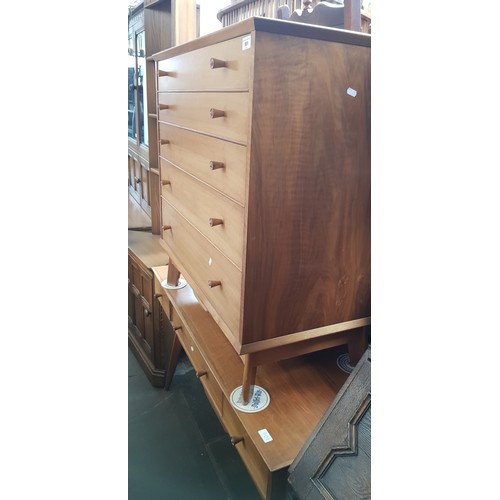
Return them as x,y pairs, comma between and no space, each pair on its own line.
146,326
335,462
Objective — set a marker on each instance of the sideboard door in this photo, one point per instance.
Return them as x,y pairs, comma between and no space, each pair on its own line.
335,462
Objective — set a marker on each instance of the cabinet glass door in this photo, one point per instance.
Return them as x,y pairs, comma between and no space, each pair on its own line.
137,124
131,88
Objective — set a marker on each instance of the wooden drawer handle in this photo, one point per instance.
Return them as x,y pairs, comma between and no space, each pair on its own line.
201,374
214,165
214,283
148,312
217,113
177,327
164,141
217,63
236,439
158,295
215,222
165,183
162,72
163,106
166,228
137,180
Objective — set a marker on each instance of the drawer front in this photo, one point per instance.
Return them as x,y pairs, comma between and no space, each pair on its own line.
203,372
194,71
205,209
199,111
247,450
203,262
219,163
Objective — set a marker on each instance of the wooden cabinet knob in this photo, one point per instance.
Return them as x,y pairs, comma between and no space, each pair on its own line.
214,165
164,106
177,327
137,180
147,312
166,228
164,141
158,295
215,222
217,63
200,374
165,183
161,72
236,439
217,113
214,283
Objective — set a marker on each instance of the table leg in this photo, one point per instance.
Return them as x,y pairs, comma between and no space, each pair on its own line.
173,275
249,374
357,345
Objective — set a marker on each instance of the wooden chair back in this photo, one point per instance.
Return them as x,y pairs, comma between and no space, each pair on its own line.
347,16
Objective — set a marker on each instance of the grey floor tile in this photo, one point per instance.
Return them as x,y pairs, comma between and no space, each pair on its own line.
177,447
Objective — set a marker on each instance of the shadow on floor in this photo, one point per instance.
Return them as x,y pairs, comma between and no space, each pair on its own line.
177,448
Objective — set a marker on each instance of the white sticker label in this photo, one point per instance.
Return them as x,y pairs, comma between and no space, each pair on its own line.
246,42
351,92
264,434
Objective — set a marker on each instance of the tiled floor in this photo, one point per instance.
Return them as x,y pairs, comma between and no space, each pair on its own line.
177,449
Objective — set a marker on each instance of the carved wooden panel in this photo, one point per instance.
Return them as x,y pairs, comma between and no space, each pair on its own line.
335,462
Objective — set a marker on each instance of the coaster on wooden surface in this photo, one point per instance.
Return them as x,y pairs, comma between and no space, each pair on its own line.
343,363
180,284
259,399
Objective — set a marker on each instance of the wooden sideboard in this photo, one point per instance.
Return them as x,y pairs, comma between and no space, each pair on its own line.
264,154
301,390
150,338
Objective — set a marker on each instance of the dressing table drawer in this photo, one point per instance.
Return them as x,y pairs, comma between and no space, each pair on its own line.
218,218
223,115
219,163
213,274
222,66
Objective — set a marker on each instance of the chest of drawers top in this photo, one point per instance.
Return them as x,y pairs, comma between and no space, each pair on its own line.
264,152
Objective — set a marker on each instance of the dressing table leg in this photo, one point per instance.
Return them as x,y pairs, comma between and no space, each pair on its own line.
356,345
173,275
249,374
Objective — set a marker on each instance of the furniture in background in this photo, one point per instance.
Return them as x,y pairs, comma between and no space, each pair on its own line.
240,10
153,25
357,12
265,184
149,337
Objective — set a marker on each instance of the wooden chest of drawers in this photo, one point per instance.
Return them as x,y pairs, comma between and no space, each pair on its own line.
264,151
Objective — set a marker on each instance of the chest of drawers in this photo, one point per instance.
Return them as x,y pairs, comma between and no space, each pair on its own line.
264,153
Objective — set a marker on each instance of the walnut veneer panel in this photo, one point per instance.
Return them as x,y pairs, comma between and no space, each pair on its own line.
304,189
308,228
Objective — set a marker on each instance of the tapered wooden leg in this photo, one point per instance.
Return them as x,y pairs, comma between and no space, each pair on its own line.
249,374
357,345
173,275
